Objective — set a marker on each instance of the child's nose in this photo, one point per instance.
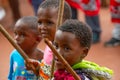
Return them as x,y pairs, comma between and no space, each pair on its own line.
16,37
42,26
60,52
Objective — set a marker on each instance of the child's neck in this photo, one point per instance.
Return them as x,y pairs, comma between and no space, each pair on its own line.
30,52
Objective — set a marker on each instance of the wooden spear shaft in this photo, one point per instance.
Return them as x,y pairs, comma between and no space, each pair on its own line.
65,63
59,22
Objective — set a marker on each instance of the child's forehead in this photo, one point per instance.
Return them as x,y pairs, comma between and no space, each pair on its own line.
40,10
22,26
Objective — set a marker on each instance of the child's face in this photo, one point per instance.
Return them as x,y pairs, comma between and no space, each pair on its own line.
24,36
69,47
47,19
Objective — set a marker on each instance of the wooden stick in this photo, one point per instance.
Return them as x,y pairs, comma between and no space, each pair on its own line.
59,22
60,13
65,63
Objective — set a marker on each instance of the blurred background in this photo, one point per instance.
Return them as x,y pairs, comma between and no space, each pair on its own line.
104,56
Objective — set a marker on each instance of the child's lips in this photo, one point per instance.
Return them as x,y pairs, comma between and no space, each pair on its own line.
57,61
44,33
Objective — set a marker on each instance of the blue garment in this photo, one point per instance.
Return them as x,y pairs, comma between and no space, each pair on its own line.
17,68
36,4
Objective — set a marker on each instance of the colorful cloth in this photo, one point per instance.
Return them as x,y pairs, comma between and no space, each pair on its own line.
64,75
18,70
44,73
87,71
94,70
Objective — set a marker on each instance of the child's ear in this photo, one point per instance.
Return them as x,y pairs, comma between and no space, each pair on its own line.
85,52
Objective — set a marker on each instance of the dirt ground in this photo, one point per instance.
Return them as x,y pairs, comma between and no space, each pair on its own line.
103,56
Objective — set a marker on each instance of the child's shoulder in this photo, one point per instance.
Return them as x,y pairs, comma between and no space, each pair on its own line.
14,52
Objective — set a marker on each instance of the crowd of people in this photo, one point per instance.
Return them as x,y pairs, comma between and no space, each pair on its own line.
29,31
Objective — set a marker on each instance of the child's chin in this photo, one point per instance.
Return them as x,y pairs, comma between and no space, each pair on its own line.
59,66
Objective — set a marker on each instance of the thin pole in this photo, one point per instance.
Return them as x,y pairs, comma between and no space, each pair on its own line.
59,22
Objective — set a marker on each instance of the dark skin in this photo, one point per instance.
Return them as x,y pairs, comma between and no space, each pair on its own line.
69,47
47,21
28,40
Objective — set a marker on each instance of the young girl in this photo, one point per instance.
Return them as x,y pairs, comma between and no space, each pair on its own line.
27,37
47,20
73,41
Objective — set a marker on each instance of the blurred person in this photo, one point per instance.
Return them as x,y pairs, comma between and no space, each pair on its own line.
14,4
91,9
74,7
115,18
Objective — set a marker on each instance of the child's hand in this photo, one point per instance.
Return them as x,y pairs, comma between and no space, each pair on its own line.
33,65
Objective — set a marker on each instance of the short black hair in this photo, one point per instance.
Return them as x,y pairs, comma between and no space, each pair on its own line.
81,30
31,22
55,4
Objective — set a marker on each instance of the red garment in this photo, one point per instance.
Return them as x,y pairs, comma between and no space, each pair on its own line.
74,3
115,11
90,7
63,75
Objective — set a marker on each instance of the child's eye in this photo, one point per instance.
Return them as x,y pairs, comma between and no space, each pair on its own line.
22,35
39,23
49,22
66,48
15,33
55,45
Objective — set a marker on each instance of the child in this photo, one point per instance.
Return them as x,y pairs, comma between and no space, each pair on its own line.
115,18
27,37
73,41
47,20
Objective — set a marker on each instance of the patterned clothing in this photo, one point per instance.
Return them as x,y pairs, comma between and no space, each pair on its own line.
44,71
86,70
64,75
17,68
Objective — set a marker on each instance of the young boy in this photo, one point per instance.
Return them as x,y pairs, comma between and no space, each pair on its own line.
47,21
73,41
27,37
